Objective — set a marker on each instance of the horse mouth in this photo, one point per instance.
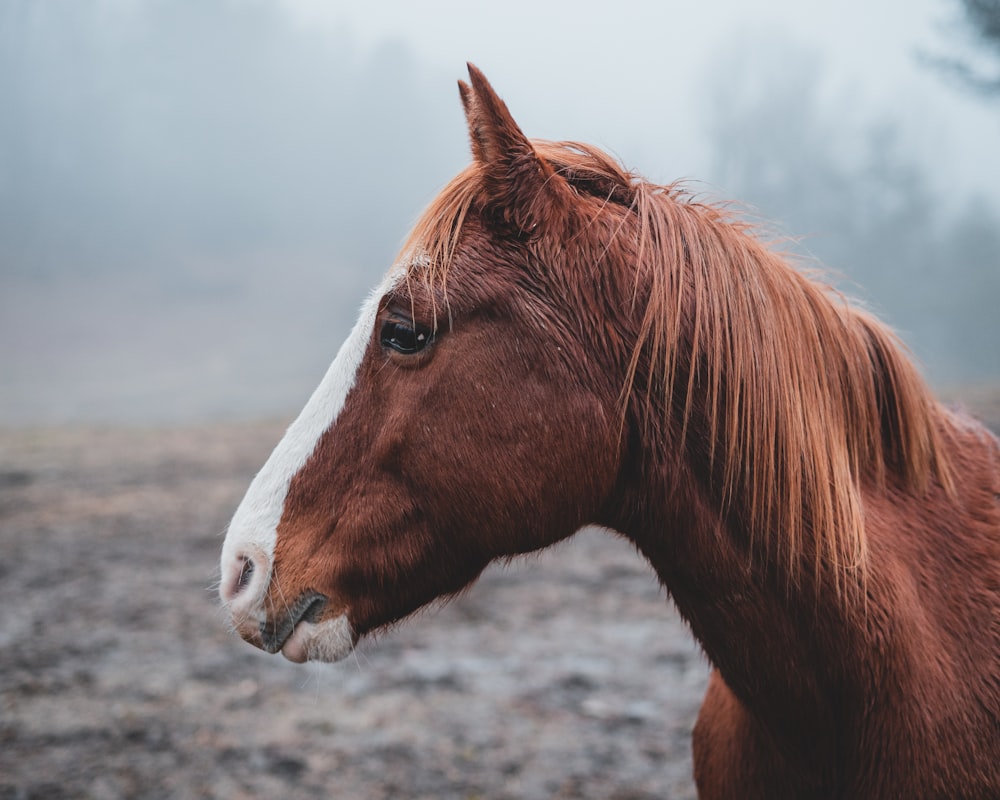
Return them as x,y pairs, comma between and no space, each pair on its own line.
275,633
328,640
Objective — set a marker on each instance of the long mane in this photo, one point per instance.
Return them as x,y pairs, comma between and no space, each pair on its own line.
806,398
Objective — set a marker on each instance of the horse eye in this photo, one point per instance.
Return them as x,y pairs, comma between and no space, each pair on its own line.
403,338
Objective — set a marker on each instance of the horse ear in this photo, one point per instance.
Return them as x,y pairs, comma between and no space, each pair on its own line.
523,190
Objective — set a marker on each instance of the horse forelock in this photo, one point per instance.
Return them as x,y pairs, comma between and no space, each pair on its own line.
803,398
430,246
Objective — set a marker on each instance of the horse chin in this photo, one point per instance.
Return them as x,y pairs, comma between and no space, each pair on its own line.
328,640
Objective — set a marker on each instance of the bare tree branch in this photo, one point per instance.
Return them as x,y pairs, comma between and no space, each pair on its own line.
981,24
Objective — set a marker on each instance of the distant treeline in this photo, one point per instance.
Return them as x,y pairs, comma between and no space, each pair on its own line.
858,203
197,148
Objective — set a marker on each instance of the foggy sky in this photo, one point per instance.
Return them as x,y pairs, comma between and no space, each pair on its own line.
195,196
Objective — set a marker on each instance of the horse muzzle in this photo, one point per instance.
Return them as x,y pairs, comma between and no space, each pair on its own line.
298,630
276,631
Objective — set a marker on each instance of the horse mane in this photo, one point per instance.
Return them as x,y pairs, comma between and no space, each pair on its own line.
806,398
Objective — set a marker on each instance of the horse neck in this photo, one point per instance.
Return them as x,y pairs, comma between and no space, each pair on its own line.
772,628
799,634
706,441
723,579
760,629
799,651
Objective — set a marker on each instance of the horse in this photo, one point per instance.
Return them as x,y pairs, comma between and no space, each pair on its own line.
562,343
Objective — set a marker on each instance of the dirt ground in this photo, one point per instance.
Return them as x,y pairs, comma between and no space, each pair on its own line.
565,675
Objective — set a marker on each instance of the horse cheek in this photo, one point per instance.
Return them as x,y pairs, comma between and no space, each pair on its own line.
531,472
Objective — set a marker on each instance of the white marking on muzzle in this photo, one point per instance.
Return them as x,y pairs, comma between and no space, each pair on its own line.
253,531
329,640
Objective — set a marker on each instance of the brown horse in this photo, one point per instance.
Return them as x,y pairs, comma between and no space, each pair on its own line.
561,344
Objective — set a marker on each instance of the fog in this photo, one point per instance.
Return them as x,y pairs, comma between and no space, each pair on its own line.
196,196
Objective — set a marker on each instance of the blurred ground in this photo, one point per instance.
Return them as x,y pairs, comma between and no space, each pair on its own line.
565,675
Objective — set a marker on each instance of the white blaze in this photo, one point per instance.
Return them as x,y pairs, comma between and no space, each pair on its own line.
254,527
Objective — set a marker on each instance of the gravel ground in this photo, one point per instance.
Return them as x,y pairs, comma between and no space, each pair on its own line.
565,675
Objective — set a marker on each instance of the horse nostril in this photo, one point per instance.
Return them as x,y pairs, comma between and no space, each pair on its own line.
246,573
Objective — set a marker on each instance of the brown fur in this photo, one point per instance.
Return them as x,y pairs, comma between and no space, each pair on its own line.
609,351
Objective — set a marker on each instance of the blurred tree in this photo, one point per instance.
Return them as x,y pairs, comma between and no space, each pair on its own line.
982,74
147,136
867,209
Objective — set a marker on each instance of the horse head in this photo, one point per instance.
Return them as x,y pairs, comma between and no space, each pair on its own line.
467,417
